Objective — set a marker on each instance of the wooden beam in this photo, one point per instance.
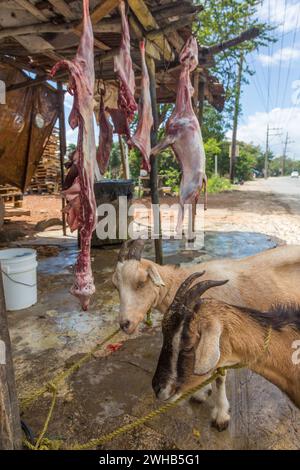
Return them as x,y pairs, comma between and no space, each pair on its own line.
62,149
63,8
149,23
154,162
176,41
151,48
10,423
28,6
37,29
103,9
247,35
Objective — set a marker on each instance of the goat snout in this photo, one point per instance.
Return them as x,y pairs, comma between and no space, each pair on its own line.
163,392
126,326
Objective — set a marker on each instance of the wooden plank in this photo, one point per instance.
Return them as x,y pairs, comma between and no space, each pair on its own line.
10,424
28,6
34,44
149,23
151,48
63,8
103,9
176,40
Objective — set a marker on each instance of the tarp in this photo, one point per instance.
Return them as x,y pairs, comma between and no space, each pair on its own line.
26,123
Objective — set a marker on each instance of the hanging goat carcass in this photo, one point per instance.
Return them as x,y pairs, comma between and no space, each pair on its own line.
141,138
81,204
183,133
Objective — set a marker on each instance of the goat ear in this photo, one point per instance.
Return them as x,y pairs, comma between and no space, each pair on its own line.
155,276
208,351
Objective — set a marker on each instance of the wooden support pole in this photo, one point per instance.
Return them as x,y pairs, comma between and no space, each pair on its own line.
153,161
62,148
201,97
10,424
236,117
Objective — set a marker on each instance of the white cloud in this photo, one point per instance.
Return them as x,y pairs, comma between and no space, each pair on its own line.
254,130
287,20
282,55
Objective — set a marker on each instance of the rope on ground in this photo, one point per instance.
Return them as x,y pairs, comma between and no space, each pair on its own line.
32,397
48,444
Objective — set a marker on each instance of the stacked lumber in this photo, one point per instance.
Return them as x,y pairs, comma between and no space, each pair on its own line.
46,178
11,196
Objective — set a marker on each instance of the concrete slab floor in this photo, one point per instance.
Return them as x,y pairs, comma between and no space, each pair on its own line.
114,388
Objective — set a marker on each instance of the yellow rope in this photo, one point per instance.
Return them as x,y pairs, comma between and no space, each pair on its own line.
53,389
48,444
32,397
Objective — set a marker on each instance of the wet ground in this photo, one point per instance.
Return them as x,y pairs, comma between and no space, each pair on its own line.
114,388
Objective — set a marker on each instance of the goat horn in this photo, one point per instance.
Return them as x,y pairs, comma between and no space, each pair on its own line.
123,252
136,249
185,285
196,291
131,249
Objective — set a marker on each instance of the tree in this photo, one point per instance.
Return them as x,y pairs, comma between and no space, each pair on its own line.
223,20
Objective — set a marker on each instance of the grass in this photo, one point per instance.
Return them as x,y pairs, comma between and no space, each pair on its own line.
217,184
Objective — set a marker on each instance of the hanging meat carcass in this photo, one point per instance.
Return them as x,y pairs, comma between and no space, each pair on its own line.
124,70
81,204
183,133
105,138
141,138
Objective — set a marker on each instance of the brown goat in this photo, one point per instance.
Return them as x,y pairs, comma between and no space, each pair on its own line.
203,335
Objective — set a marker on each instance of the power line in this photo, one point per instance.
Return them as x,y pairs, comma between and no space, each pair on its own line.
281,47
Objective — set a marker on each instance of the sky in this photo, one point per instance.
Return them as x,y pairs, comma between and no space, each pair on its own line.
273,94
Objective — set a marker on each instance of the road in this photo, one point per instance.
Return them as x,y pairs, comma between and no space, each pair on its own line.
269,206
285,186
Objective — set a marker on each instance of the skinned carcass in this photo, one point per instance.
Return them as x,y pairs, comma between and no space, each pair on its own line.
183,132
124,70
105,138
81,204
142,136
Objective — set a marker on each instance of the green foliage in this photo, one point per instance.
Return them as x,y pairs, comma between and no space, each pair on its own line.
212,147
218,184
134,163
214,124
247,160
169,167
225,19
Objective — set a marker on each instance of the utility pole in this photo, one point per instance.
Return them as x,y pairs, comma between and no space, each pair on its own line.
284,155
267,147
236,117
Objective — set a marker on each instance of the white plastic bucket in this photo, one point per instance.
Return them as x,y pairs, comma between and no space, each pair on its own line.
18,268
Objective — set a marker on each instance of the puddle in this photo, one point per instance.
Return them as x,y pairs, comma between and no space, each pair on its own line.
216,245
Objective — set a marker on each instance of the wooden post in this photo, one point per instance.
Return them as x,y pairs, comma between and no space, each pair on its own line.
10,423
201,97
62,148
236,117
153,160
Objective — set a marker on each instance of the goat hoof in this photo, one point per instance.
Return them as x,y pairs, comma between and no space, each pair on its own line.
220,425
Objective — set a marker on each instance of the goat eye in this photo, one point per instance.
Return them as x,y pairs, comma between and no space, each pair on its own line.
140,284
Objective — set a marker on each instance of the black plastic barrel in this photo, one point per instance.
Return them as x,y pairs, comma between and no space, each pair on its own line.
108,192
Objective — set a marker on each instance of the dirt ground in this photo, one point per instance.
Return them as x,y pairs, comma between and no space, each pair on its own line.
114,388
